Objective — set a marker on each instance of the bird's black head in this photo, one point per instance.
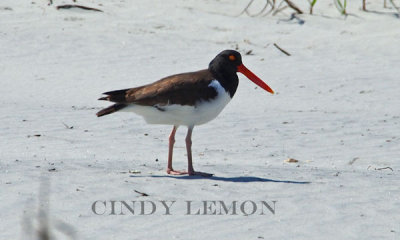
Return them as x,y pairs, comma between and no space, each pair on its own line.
225,66
226,62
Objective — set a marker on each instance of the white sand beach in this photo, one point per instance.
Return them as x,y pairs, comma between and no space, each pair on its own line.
336,109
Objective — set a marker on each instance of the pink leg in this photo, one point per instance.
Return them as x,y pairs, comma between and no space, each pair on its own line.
170,170
189,150
189,155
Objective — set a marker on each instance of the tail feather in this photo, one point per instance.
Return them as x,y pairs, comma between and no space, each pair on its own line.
115,96
105,98
118,97
111,109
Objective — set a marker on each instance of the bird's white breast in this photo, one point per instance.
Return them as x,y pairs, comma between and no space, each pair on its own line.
174,114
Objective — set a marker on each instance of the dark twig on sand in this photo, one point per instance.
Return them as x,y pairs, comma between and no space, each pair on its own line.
383,168
293,6
68,6
285,52
66,126
142,193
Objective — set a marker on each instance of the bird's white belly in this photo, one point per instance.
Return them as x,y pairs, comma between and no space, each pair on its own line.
175,114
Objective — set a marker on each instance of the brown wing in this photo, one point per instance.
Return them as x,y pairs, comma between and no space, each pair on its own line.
183,89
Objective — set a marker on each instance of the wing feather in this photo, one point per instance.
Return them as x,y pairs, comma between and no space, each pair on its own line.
183,89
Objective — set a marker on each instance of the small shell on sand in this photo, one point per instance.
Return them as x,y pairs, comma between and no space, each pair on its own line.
291,160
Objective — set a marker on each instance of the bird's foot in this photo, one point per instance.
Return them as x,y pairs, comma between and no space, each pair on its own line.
175,172
201,174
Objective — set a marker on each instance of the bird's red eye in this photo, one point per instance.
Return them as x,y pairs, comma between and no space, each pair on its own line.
232,57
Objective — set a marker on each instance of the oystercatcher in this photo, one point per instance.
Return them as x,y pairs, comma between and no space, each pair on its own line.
186,99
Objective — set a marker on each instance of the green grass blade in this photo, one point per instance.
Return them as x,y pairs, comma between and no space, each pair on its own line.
313,3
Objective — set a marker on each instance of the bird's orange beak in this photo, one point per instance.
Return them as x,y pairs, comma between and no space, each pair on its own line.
242,69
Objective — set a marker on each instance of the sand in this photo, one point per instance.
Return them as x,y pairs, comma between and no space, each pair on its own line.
336,110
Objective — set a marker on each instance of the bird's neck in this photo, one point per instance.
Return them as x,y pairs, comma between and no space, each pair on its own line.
227,79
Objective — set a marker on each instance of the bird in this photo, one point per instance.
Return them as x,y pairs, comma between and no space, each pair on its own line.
186,99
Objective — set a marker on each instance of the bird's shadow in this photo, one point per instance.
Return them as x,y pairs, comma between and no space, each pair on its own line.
240,179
